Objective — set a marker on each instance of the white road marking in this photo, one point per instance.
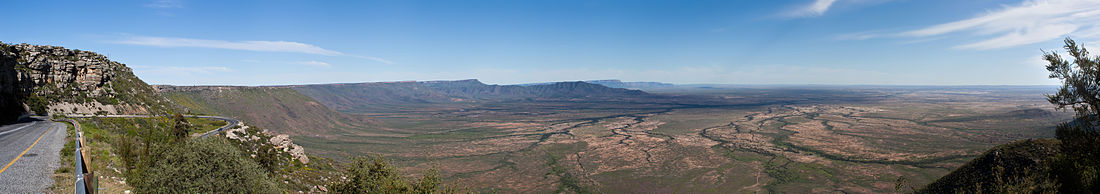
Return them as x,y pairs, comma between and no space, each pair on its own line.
17,129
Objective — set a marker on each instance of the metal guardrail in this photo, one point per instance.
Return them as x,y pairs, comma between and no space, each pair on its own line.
86,181
228,124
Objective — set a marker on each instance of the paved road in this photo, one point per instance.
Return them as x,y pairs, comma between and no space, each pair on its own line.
230,122
32,149
31,172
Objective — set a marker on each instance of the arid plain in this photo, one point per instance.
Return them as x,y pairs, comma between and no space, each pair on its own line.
862,139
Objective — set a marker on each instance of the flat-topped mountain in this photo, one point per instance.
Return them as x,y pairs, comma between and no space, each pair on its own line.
349,97
473,88
614,83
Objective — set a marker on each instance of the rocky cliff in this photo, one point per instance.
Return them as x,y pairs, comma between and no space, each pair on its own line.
71,81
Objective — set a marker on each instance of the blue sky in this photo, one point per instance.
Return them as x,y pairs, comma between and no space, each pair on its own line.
903,42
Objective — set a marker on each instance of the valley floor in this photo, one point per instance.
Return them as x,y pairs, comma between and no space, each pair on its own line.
783,146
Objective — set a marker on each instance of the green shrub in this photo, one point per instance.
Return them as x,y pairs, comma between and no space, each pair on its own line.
209,165
36,103
377,175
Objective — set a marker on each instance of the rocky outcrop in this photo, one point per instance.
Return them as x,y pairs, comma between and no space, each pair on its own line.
83,71
254,138
73,81
282,142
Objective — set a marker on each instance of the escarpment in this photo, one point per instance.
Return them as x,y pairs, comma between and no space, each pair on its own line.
56,80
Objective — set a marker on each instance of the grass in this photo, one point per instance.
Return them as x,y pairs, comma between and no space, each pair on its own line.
566,181
64,175
203,125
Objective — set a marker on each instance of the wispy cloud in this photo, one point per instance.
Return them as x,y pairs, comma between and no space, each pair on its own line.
814,9
182,70
165,4
1030,22
249,45
314,63
164,7
252,45
376,59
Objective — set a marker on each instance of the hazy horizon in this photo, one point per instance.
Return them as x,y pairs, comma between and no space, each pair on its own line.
675,84
827,42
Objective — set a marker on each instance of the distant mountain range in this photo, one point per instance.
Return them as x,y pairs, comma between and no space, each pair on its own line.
360,96
614,83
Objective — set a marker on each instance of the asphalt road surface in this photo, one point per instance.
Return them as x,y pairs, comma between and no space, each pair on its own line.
29,154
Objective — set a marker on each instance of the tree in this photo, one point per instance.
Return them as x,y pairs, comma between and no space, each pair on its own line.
1077,168
180,127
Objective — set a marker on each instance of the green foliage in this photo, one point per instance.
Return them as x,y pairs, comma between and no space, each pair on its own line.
180,127
566,180
136,145
1018,167
36,103
377,175
1077,168
202,166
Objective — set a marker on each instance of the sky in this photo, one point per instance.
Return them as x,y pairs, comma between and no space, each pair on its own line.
832,42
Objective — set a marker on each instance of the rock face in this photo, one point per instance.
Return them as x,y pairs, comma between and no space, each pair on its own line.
12,91
82,70
82,80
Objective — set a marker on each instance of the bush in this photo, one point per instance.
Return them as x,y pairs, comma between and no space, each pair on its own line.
1078,167
36,103
202,166
377,175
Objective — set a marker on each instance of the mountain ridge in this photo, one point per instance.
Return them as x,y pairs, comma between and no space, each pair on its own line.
355,97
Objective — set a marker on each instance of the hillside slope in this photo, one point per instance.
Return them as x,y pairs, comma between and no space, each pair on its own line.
71,81
280,109
1018,167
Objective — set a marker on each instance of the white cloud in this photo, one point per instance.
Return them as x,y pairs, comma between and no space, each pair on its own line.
314,63
1030,22
252,45
181,70
817,8
376,59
